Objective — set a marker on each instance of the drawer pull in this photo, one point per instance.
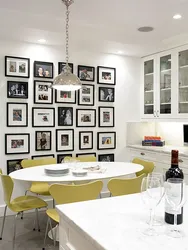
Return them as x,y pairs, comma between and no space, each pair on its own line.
180,160
142,153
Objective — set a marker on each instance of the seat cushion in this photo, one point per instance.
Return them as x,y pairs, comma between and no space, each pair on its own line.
24,203
41,188
52,213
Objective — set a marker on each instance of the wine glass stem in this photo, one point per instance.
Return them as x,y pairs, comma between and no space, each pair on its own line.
152,212
175,221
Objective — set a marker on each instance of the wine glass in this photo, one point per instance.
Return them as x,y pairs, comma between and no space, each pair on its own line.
151,191
175,196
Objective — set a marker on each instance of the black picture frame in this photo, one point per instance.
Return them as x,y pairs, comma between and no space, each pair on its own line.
44,66
103,124
66,100
88,77
62,64
43,143
40,126
44,85
15,147
85,95
82,154
110,73
86,135
22,89
15,65
105,96
17,114
98,141
86,118
57,140
106,158
33,157
12,167
62,156
63,119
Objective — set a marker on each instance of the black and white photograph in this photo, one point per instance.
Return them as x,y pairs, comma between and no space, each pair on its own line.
43,117
60,158
43,93
17,144
42,140
106,140
63,96
43,69
86,73
106,75
13,165
65,116
17,114
106,116
64,140
61,65
85,154
39,157
17,67
106,94
86,140
86,95
17,89
106,157
86,118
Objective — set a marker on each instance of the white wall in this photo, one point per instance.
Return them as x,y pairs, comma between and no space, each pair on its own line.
126,105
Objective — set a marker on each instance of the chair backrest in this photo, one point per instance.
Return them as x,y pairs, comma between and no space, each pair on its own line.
63,194
148,166
8,186
85,158
1,172
125,186
38,162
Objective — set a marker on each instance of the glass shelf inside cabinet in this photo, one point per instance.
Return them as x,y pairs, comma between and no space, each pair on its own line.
148,87
183,82
165,84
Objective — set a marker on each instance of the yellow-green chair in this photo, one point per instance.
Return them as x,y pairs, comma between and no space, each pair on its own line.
63,194
18,205
125,186
85,158
148,166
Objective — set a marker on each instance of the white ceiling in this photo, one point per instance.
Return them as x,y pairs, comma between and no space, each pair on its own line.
98,25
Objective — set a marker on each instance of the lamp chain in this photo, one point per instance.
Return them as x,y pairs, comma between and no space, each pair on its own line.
67,34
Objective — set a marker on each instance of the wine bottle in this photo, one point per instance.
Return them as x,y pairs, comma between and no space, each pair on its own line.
173,172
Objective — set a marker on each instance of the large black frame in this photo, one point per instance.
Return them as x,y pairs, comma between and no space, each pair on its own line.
15,103
98,133
43,126
43,63
79,96
80,134
36,140
34,87
22,58
99,116
18,96
57,130
84,66
6,135
77,111
102,67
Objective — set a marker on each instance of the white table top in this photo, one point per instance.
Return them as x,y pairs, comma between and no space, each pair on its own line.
117,224
113,169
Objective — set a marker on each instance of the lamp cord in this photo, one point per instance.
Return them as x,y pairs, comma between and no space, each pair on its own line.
67,34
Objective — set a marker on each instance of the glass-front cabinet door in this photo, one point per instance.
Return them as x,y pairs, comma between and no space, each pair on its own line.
149,87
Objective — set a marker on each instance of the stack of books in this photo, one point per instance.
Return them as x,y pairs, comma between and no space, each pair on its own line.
153,141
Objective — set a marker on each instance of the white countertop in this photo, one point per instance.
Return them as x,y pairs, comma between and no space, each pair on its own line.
117,224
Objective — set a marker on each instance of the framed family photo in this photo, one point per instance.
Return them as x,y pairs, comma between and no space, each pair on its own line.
17,114
43,93
17,89
60,158
36,157
61,65
63,96
85,154
106,157
43,70
106,116
17,144
14,165
42,140
106,75
86,118
65,116
106,94
86,140
43,117
86,73
64,140
86,95
106,140
17,67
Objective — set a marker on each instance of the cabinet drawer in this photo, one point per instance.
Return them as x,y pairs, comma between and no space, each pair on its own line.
143,154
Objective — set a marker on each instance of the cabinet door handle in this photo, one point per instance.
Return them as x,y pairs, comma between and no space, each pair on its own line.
180,160
142,153
157,113
154,113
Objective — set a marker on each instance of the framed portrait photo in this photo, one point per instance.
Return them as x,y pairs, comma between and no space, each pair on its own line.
106,157
64,140
86,118
61,65
14,165
43,93
106,75
86,73
43,117
42,140
43,70
106,116
17,114
85,154
34,157
17,67
106,94
65,116
17,144
63,96
60,158
86,140
86,95
106,140
17,89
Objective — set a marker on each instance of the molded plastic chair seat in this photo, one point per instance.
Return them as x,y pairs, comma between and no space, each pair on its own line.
40,188
52,213
148,166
